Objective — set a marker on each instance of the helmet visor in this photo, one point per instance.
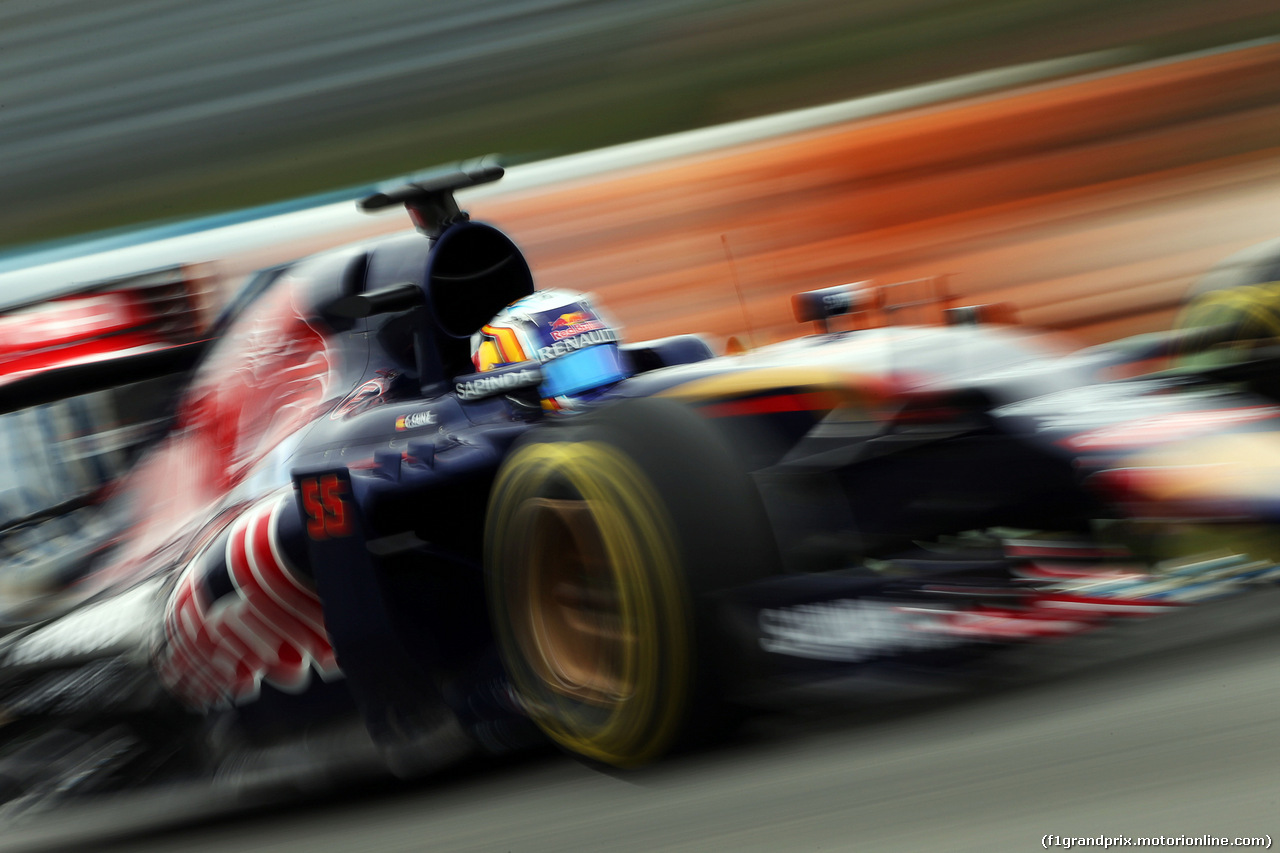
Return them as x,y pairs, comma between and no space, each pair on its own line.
583,370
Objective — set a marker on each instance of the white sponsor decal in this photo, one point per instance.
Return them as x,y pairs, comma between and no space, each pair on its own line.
486,386
848,630
413,420
568,345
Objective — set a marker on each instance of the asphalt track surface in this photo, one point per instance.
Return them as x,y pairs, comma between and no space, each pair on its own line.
1162,728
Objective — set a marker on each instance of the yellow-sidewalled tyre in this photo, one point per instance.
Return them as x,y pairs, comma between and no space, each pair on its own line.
606,536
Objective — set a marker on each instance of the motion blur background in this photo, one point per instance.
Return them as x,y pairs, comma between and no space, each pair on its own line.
1091,205
141,110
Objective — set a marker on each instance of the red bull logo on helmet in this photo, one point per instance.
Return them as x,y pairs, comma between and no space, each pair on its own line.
568,345
574,323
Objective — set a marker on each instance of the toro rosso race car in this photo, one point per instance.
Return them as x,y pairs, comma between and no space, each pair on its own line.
411,508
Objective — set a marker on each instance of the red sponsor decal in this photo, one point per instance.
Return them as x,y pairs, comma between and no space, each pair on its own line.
572,324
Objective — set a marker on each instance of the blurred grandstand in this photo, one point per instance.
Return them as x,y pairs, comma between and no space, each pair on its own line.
139,111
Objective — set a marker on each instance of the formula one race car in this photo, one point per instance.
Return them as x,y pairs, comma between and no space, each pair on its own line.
411,508
884,502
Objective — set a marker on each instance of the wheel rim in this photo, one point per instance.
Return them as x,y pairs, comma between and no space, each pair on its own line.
597,645
575,627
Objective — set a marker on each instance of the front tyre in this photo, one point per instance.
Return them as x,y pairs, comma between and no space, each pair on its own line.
605,535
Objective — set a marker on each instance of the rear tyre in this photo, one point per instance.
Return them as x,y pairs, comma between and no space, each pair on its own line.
605,536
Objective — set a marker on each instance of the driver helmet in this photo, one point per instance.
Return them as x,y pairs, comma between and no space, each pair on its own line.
576,348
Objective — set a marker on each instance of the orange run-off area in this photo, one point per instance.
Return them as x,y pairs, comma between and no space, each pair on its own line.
1090,205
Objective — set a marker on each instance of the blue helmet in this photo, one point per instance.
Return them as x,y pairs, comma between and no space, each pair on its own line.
576,348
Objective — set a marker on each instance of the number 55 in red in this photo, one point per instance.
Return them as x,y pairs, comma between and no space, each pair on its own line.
324,501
